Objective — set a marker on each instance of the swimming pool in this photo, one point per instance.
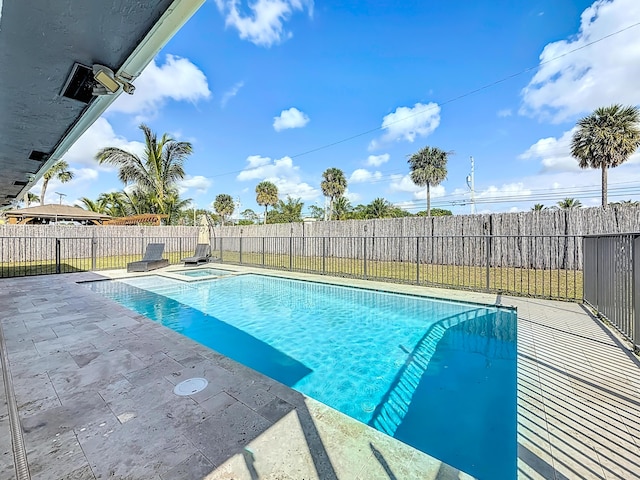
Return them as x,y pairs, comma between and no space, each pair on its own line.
438,375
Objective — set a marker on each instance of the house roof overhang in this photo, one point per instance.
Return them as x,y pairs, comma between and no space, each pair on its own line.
40,43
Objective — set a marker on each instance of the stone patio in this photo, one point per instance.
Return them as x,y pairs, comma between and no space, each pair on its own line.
94,385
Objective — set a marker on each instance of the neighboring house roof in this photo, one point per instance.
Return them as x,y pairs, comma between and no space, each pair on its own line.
142,219
55,212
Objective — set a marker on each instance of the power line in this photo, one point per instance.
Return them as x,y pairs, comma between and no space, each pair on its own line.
469,93
451,100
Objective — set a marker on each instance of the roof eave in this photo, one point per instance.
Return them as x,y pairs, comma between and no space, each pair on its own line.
171,21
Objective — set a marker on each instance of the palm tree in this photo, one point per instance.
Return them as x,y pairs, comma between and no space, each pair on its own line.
606,139
287,212
156,173
569,204
266,195
112,203
92,206
60,171
429,167
30,197
333,185
626,203
379,208
224,206
538,207
342,208
175,206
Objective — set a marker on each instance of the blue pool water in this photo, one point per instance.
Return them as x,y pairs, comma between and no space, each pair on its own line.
438,375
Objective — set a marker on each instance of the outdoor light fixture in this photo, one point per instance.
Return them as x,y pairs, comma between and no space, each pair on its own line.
107,83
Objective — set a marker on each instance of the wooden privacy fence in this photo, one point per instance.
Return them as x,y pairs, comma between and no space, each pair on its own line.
532,251
582,221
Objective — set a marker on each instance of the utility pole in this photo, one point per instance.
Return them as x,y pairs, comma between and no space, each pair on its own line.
61,195
238,205
471,185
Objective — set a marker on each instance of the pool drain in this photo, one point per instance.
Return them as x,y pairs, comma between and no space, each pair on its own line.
190,386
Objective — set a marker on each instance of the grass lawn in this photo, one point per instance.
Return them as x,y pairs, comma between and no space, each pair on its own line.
555,284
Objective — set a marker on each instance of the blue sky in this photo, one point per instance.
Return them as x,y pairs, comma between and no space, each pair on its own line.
283,89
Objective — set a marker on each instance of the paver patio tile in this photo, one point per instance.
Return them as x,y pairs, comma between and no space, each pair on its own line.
275,409
165,366
129,399
224,434
58,457
219,402
137,451
196,466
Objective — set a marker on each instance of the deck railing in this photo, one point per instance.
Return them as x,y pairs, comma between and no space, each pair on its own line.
612,280
538,265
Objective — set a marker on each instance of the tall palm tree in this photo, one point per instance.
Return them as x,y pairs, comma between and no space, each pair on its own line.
606,139
224,206
266,195
429,167
333,185
60,171
569,204
538,207
154,174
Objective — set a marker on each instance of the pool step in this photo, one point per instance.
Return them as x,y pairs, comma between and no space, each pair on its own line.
394,406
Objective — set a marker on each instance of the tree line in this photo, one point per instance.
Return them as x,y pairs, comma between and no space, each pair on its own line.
603,140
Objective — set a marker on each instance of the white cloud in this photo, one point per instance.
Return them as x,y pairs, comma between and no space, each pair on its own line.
229,94
554,154
264,26
403,183
408,123
291,118
353,197
597,75
178,79
295,189
362,175
98,136
282,173
76,187
517,190
505,112
377,160
197,182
